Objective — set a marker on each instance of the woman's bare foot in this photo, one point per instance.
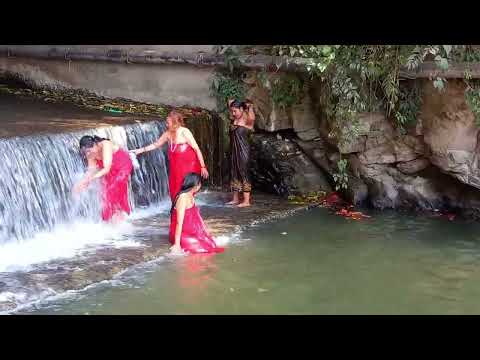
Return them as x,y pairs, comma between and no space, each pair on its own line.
235,199
243,204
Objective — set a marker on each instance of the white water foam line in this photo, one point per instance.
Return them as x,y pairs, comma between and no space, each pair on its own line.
67,241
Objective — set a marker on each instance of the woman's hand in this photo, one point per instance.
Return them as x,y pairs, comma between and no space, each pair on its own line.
137,151
81,185
204,172
176,249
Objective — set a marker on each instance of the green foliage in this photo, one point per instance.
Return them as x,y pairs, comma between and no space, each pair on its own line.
341,177
362,78
409,103
225,87
286,91
472,97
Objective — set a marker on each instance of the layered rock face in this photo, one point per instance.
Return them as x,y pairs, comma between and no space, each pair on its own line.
433,166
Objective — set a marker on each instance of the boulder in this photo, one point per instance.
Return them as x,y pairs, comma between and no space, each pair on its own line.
450,132
414,166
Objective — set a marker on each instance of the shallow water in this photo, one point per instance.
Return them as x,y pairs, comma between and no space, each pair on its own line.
311,263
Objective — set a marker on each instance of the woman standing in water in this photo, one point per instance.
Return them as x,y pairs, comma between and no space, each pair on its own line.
187,230
114,168
184,155
243,120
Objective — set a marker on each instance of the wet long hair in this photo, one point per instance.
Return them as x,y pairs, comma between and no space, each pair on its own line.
88,141
239,105
189,182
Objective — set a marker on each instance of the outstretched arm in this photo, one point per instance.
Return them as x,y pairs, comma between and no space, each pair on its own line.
162,140
191,141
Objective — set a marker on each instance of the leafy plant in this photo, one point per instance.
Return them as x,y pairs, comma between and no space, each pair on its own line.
472,97
286,91
225,87
409,103
341,177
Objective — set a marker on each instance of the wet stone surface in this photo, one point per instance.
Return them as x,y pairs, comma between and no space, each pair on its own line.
104,263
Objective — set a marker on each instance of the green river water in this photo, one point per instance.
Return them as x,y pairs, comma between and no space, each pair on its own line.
310,263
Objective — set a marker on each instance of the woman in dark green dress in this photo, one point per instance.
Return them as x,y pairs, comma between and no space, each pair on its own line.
240,130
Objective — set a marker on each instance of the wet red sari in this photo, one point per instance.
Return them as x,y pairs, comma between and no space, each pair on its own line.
115,185
195,237
182,160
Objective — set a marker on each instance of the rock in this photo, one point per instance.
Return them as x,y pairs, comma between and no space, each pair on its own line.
278,119
389,188
308,134
383,154
403,149
316,151
414,166
269,116
375,141
352,145
357,191
450,132
375,124
403,152
281,167
373,129
303,116
354,165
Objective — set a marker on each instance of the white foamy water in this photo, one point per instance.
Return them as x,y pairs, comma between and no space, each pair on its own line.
67,241
64,241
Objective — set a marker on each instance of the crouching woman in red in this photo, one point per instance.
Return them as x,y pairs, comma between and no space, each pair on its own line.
187,230
114,166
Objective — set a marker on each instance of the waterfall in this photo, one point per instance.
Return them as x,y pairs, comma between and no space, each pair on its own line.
38,173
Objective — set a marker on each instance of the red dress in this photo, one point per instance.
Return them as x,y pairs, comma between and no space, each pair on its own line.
195,237
182,160
115,185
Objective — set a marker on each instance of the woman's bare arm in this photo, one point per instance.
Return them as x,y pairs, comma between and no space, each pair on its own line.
157,144
107,156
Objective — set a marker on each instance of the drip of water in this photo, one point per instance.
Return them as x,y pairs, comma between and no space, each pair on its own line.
38,173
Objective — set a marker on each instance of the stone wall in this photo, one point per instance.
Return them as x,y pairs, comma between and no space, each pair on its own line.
176,85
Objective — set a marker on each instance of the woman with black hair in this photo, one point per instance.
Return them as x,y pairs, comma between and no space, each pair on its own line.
187,230
114,166
243,119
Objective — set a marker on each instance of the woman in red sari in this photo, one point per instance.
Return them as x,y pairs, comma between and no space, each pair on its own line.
114,166
188,232
184,155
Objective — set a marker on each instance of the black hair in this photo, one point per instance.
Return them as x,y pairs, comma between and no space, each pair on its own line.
189,182
239,104
88,141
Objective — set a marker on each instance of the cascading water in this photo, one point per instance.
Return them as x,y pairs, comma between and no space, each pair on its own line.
38,173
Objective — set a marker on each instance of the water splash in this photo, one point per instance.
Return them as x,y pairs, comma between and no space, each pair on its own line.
38,173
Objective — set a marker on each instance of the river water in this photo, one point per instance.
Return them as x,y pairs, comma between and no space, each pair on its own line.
311,263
